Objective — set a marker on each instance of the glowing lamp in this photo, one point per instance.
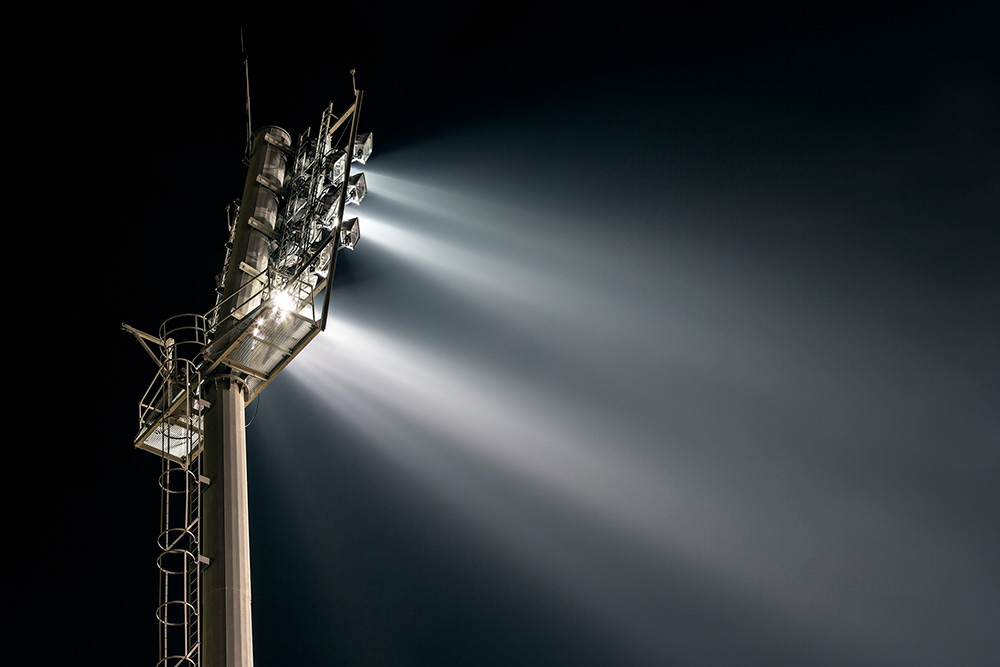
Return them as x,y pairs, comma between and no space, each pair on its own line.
336,165
356,188
350,232
362,148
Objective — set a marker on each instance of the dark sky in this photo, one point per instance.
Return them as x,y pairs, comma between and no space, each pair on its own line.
664,344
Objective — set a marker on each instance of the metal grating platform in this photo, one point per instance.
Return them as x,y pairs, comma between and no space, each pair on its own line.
261,345
176,437
170,413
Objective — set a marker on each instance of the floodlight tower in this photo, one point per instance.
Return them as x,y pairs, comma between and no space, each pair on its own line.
285,234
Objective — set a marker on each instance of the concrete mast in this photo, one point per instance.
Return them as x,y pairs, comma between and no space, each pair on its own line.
227,617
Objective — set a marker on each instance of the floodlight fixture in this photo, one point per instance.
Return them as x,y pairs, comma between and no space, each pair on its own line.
336,166
350,232
357,188
362,148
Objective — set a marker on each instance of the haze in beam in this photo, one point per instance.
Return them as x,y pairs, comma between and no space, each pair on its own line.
640,419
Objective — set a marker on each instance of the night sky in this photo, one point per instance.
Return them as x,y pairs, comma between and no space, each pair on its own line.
664,344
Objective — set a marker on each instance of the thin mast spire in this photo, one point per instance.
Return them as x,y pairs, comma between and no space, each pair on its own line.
246,72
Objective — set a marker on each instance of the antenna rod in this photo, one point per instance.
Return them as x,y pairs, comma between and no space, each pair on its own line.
246,72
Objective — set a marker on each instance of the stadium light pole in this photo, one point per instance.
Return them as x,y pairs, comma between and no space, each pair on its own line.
280,259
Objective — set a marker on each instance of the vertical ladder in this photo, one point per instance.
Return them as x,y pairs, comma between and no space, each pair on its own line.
180,560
